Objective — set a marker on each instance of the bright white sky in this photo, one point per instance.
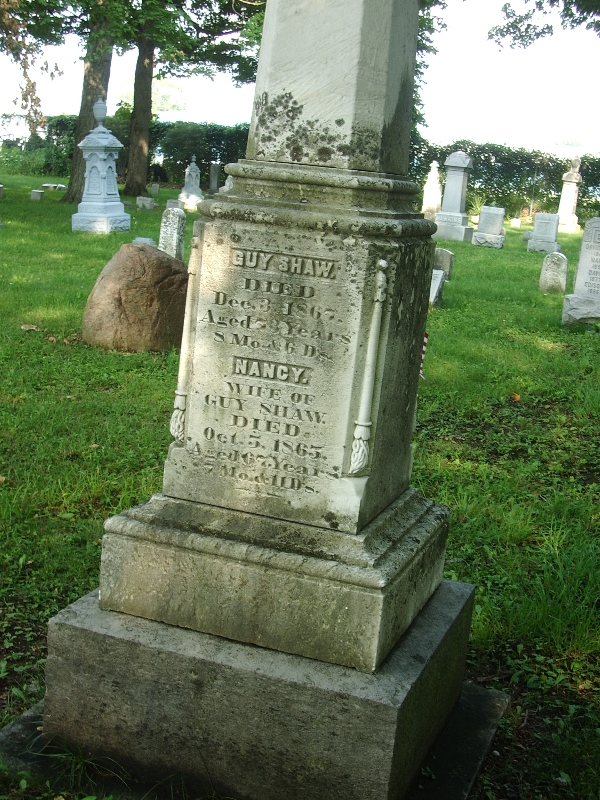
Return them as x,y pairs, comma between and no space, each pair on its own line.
538,98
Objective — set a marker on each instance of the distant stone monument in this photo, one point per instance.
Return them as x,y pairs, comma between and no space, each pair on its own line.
145,202
490,228
311,649
37,194
553,277
583,306
155,189
172,232
1,190
568,221
543,237
174,204
215,178
432,193
452,221
191,194
101,209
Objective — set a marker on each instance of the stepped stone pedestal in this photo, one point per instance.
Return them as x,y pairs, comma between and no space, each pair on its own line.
276,617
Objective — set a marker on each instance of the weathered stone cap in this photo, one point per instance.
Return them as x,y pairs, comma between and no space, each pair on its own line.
459,159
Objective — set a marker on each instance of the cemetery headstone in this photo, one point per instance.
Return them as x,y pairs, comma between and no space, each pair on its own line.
144,240
452,221
1,190
172,232
527,236
154,189
174,204
138,302
444,259
51,186
191,194
583,306
490,229
568,220
215,178
37,194
438,278
101,209
553,277
432,193
323,652
543,237
145,202
515,222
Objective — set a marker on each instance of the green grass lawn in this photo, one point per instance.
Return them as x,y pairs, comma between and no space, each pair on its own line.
508,437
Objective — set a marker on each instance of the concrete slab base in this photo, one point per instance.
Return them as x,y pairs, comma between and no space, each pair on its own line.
457,233
262,724
580,310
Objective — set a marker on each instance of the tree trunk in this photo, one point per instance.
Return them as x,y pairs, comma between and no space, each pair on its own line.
137,161
96,73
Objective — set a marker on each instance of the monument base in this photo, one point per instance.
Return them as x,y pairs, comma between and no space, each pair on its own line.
457,233
540,246
488,240
323,594
258,724
92,223
580,310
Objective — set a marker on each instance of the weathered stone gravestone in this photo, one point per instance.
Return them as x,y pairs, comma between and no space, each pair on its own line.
323,652
191,194
101,209
174,204
144,240
515,222
37,194
432,193
138,301
583,306
215,178
172,232
444,259
490,228
543,237
568,221
438,278
452,221
154,189
1,190
553,277
145,202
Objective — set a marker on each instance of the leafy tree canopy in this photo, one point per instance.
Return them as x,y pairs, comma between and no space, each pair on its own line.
521,29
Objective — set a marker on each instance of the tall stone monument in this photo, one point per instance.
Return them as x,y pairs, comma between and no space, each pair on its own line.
311,648
432,193
191,193
583,306
101,209
452,221
568,221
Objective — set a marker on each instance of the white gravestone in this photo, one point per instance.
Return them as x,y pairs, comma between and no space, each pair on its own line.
543,237
490,228
583,306
432,193
444,259
452,221
101,209
191,194
174,204
37,194
154,189
568,221
172,232
515,222
438,278
287,537
553,277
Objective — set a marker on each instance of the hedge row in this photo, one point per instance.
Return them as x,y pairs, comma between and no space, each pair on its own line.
501,175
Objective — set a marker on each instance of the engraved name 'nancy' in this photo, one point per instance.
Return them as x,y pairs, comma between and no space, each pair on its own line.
271,370
278,262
